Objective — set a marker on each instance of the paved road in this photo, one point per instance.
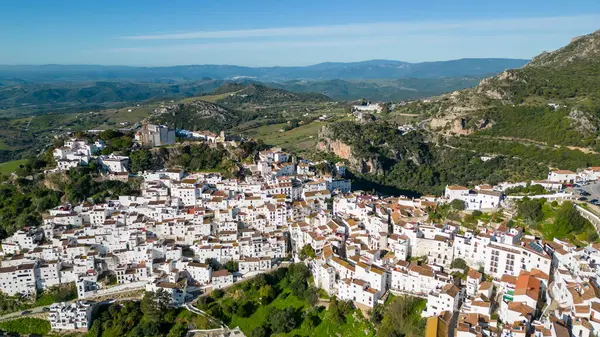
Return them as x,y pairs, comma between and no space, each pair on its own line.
593,189
40,310
422,124
17,314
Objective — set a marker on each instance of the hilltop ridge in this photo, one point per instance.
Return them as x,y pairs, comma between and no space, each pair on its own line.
562,86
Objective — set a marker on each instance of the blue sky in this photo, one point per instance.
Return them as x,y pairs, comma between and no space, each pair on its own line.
282,32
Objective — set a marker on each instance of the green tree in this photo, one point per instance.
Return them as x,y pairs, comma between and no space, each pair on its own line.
458,204
377,313
178,330
402,318
311,320
296,276
283,320
142,160
260,331
147,328
232,266
213,263
339,310
530,210
267,294
307,252
245,309
217,293
567,221
459,263
312,296
155,304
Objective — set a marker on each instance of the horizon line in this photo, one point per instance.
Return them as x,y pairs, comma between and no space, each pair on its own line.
274,66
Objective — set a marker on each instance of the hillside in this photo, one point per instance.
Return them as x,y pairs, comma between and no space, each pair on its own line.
236,103
260,94
198,115
567,75
553,100
34,98
380,156
380,90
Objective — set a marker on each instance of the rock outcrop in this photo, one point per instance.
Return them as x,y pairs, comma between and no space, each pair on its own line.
359,164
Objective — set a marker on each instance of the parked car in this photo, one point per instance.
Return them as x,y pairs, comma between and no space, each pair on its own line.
46,309
582,198
594,201
26,312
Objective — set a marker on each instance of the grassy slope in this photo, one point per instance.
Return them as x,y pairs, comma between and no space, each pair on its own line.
260,315
11,166
301,138
27,325
352,327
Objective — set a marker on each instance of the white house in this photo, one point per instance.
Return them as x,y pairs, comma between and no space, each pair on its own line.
221,279
71,316
447,300
114,164
199,272
249,264
562,176
19,279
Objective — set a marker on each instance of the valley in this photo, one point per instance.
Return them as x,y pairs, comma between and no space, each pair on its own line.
328,200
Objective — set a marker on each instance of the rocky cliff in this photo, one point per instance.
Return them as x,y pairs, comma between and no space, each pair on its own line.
359,163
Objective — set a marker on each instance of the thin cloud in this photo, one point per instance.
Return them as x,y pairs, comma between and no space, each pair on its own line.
255,46
365,29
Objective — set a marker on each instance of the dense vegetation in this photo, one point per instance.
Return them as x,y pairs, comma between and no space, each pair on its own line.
556,221
200,115
556,81
25,197
151,317
79,184
381,141
23,200
115,141
526,190
400,316
411,163
281,303
562,157
195,156
27,326
245,299
557,127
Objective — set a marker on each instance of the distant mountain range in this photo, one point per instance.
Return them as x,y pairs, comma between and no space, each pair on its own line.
373,69
19,98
